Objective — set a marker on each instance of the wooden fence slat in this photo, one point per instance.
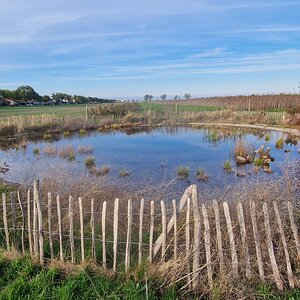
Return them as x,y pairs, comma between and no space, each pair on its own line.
14,219
23,222
294,227
219,236
5,222
128,241
115,232
274,266
29,223
50,225
35,221
256,237
81,229
231,239
285,248
207,246
40,221
241,218
151,231
61,254
93,229
71,228
197,232
164,229
187,240
103,225
175,228
182,204
141,232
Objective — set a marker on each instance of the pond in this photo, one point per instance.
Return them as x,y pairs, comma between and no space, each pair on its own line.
150,155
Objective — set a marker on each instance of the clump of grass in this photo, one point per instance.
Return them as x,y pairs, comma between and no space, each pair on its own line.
267,138
258,162
227,166
82,131
202,175
90,162
47,136
85,149
183,172
50,150
243,149
67,133
104,170
67,153
124,172
36,151
279,143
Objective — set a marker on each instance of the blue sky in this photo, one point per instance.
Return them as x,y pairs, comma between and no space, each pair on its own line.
130,48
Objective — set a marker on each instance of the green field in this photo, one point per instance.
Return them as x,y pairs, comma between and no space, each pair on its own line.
74,110
145,106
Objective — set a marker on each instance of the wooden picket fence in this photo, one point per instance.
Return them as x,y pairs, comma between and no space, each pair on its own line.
244,240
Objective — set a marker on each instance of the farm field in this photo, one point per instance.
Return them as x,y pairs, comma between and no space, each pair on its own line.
60,110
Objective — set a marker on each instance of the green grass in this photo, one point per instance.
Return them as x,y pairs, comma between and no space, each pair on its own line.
22,279
161,107
59,110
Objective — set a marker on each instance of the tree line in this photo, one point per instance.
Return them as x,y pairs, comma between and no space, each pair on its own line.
27,94
186,96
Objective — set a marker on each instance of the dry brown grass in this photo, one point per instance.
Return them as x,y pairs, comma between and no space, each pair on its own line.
243,102
243,149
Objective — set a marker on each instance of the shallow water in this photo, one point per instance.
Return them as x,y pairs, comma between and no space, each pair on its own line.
152,155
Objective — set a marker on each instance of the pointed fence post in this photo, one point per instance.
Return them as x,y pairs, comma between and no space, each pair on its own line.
29,223
128,241
257,240
141,232
103,225
50,225
71,229
40,221
241,218
285,247
93,229
5,222
274,266
35,224
219,236
175,228
151,231
23,222
188,240
197,232
234,258
207,246
61,254
115,232
164,230
14,219
81,229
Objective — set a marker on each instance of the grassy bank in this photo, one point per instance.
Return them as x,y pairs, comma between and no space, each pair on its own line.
21,278
71,118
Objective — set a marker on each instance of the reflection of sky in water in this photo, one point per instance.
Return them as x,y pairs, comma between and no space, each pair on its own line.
142,154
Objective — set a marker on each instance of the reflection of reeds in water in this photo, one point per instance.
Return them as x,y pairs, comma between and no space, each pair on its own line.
85,149
50,150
